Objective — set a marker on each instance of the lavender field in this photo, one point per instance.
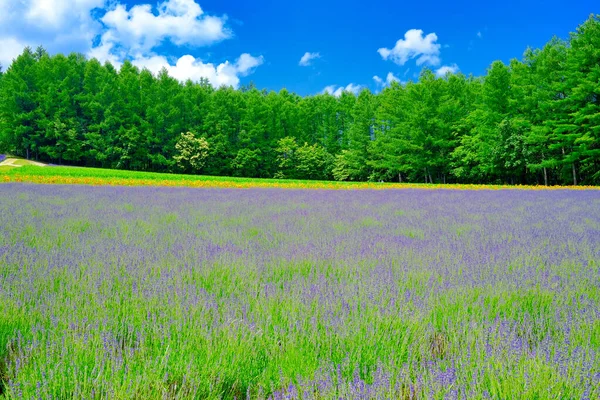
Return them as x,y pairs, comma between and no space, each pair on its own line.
143,293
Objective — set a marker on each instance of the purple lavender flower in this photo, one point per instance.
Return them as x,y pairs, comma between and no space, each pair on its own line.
145,292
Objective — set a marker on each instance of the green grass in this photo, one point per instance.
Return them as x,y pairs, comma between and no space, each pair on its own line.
98,176
81,172
23,162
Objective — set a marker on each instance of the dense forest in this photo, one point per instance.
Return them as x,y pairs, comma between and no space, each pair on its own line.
534,121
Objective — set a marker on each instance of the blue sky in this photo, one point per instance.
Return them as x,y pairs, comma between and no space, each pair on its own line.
350,44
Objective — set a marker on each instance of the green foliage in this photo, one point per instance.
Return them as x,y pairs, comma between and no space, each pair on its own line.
246,162
533,121
302,162
314,162
341,167
191,152
286,156
356,155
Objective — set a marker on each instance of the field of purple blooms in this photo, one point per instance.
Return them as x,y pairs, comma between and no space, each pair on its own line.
143,293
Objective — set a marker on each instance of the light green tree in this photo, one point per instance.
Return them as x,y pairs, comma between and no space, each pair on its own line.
191,152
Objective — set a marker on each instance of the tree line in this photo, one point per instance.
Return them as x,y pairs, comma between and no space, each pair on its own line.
533,121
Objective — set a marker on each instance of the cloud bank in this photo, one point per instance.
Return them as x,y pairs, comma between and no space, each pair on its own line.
109,31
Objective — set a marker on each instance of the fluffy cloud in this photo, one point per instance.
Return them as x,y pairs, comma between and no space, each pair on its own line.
106,52
10,48
246,63
414,45
442,71
135,33
188,67
109,31
336,91
182,22
307,58
54,14
60,26
388,80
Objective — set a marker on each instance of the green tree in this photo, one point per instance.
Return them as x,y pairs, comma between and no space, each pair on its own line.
19,105
314,162
360,134
539,105
66,145
478,156
191,152
287,158
390,151
580,134
246,162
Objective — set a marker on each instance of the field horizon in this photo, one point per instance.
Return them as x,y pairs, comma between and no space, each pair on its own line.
97,176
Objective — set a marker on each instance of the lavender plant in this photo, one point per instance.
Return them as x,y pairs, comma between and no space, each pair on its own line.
109,292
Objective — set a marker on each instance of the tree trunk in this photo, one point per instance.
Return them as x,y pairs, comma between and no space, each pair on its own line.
27,151
545,177
574,175
430,180
400,177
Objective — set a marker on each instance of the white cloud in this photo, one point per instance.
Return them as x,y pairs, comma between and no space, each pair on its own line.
53,14
135,33
307,58
153,63
414,45
246,63
188,67
388,80
182,22
10,48
479,35
60,26
109,31
336,91
442,71
391,78
105,52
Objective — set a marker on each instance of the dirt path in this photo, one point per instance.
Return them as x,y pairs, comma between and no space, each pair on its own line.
10,162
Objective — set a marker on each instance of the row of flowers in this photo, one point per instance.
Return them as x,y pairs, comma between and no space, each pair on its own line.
98,181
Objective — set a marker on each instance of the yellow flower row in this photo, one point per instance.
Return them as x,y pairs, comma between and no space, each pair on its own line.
265,184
